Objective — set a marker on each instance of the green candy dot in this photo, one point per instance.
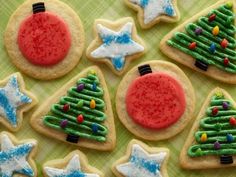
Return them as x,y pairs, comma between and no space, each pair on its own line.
229,4
80,103
199,152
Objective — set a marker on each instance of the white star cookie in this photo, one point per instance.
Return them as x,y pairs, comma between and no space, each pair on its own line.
142,161
16,159
14,100
150,12
116,44
77,165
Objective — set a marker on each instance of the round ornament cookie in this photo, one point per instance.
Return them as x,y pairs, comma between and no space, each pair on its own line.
155,100
44,39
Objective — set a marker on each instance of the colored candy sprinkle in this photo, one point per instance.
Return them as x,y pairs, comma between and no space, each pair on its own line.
204,137
66,107
217,145
215,30
92,104
212,18
94,128
229,4
214,111
226,61
64,123
92,72
198,31
80,118
219,94
80,103
80,87
225,105
229,138
192,45
232,121
94,86
224,43
212,48
199,152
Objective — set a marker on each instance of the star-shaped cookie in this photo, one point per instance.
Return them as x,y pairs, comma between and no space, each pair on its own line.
76,165
14,100
151,12
16,159
116,44
142,161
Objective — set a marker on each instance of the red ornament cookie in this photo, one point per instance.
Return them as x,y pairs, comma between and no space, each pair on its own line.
155,100
45,39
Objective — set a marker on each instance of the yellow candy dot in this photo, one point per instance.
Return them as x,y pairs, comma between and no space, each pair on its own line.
204,137
92,72
219,94
229,4
92,104
215,30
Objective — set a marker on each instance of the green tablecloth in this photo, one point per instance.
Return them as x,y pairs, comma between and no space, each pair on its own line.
89,10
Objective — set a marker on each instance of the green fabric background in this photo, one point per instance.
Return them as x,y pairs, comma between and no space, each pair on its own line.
89,10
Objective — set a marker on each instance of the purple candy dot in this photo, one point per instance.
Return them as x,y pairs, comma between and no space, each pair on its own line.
225,105
217,145
80,87
198,31
64,123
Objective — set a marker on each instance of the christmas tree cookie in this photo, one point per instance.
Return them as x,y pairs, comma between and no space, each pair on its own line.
14,101
151,12
206,42
142,161
211,142
155,100
74,164
44,39
79,113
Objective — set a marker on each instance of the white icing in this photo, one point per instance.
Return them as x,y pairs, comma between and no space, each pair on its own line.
116,45
155,8
73,169
10,164
142,164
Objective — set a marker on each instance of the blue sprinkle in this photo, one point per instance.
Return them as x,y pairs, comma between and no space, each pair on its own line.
74,174
118,62
94,128
124,38
144,3
229,138
94,86
212,48
169,10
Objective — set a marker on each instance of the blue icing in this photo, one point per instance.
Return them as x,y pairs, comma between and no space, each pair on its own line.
150,165
124,38
144,3
118,62
27,171
168,8
10,111
75,173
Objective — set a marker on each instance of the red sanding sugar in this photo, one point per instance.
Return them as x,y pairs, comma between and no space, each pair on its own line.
44,39
155,100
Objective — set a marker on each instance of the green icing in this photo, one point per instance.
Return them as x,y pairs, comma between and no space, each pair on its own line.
79,102
225,20
216,127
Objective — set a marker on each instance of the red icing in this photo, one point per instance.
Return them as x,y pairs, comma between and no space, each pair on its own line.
44,39
155,100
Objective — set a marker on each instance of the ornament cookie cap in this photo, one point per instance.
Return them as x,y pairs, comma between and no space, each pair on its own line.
213,31
14,101
204,148
116,44
24,44
151,12
74,164
142,161
79,115
143,118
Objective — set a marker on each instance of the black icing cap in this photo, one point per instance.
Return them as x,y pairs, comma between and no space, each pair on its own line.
72,138
38,7
144,69
201,65
226,159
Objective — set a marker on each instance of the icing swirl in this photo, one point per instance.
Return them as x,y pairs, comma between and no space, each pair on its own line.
92,117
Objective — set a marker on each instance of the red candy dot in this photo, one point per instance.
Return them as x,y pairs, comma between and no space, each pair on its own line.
212,18
224,43
226,61
44,39
66,107
192,46
232,121
155,100
215,111
80,118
